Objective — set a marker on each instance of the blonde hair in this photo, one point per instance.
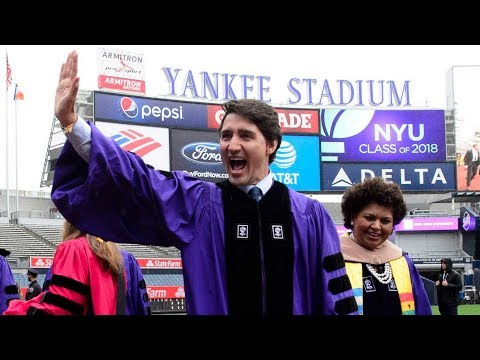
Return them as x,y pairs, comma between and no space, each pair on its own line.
108,252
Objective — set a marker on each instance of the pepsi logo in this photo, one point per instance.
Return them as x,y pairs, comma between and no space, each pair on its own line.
219,116
129,107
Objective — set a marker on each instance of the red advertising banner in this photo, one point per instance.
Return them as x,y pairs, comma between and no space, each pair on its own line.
291,120
160,263
145,263
121,84
215,115
165,292
43,262
154,292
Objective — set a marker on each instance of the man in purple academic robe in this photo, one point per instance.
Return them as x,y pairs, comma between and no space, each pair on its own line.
275,252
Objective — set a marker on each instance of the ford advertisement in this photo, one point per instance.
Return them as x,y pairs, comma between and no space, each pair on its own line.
198,153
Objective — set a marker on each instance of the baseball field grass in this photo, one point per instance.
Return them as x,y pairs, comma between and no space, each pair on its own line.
469,309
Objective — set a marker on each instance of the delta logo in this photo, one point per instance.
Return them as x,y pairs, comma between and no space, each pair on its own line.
131,140
129,107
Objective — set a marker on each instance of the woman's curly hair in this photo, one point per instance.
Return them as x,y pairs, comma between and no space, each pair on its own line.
373,190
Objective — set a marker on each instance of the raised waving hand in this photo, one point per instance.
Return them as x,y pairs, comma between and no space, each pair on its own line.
67,89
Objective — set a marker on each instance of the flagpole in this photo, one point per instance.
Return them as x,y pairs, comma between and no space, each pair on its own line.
16,157
6,142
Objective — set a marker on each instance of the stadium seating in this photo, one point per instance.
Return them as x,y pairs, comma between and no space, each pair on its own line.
50,231
40,237
21,243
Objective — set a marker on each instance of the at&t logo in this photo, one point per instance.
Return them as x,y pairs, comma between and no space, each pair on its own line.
286,157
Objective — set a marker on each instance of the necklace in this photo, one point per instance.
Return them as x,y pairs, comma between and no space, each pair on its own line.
385,277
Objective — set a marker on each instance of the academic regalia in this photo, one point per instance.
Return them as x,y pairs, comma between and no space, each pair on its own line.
406,281
232,257
137,302
8,286
79,285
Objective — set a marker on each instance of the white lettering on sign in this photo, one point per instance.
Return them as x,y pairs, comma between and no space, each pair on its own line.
386,132
293,120
387,175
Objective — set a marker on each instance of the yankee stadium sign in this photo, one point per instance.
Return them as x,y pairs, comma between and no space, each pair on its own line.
308,91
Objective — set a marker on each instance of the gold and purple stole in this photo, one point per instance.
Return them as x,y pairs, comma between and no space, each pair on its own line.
401,275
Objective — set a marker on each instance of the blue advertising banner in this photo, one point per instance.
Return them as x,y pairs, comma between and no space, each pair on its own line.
410,176
366,135
468,219
297,164
147,111
198,153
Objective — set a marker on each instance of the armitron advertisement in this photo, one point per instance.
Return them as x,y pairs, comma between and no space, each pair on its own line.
121,70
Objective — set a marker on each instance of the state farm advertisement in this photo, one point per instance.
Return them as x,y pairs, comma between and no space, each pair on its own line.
120,70
291,120
145,263
43,262
165,292
160,263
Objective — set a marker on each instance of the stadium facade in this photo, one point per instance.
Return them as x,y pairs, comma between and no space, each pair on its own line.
324,150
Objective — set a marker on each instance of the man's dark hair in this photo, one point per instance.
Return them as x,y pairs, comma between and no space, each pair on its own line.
373,190
261,114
